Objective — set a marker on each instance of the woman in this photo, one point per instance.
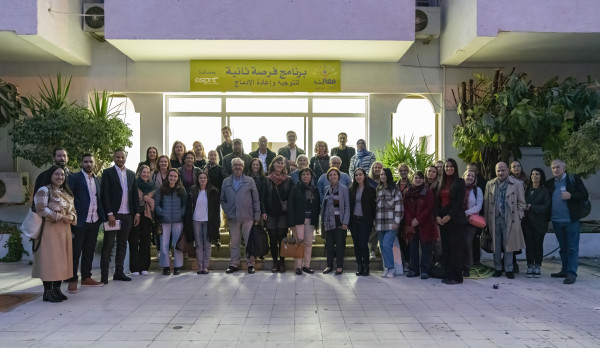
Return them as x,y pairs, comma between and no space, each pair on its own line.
363,158
139,237
389,211
301,163
473,204
257,173
319,163
374,174
216,174
177,152
160,175
433,179
170,208
206,216
188,171
450,216
362,208
335,216
151,159
535,222
516,170
303,216
274,200
403,183
420,228
403,186
53,261
200,154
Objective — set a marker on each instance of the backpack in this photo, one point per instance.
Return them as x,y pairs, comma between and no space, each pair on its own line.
585,207
258,242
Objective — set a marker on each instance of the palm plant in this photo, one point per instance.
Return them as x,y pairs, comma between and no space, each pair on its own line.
413,153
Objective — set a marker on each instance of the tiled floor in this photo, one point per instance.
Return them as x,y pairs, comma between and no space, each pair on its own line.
285,310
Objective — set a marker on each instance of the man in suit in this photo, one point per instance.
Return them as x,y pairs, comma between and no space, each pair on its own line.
291,151
120,201
263,153
61,158
86,193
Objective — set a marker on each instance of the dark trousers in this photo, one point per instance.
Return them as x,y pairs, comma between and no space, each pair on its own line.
139,245
84,246
276,235
425,254
109,242
360,229
534,240
335,244
476,250
470,232
453,241
404,247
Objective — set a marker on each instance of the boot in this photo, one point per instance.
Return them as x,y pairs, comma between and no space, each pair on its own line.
365,269
47,290
56,287
529,270
360,270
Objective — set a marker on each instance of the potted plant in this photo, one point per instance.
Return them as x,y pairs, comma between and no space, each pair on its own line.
413,154
11,243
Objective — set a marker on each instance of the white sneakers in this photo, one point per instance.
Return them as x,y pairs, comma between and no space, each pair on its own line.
389,273
144,273
135,274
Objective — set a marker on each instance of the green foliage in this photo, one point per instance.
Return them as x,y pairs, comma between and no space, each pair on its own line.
56,123
100,240
413,154
10,103
14,243
501,114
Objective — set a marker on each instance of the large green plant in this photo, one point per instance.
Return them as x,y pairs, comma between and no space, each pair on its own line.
413,153
501,114
581,152
54,122
11,103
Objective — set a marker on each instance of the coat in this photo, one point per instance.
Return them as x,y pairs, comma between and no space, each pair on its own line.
515,208
296,206
272,199
578,193
243,204
367,201
537,217
112,191
420,206
170,208
268,160
214,212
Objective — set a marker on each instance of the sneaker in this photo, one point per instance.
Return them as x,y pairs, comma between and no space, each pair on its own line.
372,255
570,279
385,272
231,269
72,288
529,271
411,274
424,276
251,270
307,270
536,271
91,282
144,273
391,273
299,271
176,271
135,274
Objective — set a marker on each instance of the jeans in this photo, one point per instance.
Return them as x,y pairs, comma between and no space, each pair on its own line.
305,233
567,234
236,230
175,229
335,246
386,244
203,246
360,229
425,254
139,245
84,245
499,238
109,241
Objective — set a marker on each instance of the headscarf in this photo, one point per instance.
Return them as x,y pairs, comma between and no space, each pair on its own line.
362,153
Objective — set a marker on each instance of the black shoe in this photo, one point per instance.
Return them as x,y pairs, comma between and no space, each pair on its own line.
360,269
299,271
57,294
452,282
411,274
560,274
338,272
515,267
275,268
251,270
366,270
327,270
466,273
497,274
176,271
200,272
104,280
281,267
121,276
51,296
569,280
166,271
307,270
231,269
510,275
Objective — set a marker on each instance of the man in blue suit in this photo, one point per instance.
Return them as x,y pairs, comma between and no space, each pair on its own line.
86,192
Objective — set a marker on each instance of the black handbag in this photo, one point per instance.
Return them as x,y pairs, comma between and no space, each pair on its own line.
485,240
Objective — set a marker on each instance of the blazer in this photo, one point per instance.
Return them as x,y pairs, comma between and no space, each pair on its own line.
297,205
81,195
112,192
268,160
367,201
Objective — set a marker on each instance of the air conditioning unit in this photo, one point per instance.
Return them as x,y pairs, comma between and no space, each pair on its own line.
427,23
13,187
93,18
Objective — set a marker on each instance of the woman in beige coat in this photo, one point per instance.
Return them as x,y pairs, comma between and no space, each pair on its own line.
53,261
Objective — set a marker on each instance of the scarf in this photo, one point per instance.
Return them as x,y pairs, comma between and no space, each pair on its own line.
145,186
501,187
308,191
329,217
414,191
277,178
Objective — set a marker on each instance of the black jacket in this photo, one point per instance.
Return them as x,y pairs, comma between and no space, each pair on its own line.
578,194
78,184
271,199
456,209
268,160
111,192
296,205
537,217
367,201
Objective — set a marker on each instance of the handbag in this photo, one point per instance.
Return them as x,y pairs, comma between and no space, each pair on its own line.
183,244
32,225
477,221
291,247
485,240
283,203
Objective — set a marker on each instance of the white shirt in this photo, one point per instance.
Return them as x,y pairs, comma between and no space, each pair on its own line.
124,208
92,215
201,211
263,160
293,154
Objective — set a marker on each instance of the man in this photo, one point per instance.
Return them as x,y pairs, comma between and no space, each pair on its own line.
238,152
362,159
263,153
291,151
568,193
120,201
226,147
241,205
86,193
60,159
344,152
345,179
504,206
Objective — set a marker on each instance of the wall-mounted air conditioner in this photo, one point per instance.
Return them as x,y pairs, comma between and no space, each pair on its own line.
93,18
427,23
13,187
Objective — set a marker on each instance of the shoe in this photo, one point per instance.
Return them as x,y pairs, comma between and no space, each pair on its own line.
424,276
466,273
391,273
385,272
51,296
72,288
299,271
275,268
200,272
510,275
411,274
529,273
307,270
452,282
444,281
569,280
365,270
496,274
135,274
372,255
560,274
91,282
205,271
231,269
405,266
251,270
58,294
166,271
281,268
515,267
176,271
104,280
359,272
327,270
338,272
121,276
536,271
145,273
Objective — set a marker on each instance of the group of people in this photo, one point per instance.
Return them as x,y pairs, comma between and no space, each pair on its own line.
181,196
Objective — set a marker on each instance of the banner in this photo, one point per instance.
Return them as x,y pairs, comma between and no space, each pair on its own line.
265,76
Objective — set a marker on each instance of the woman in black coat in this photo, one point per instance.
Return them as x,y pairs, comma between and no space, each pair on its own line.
361,218
535,222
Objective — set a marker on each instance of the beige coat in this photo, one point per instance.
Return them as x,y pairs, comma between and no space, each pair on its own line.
515,206
54,259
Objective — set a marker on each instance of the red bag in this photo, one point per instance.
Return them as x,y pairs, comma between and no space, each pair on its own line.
477,221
